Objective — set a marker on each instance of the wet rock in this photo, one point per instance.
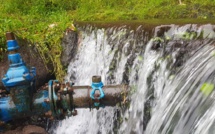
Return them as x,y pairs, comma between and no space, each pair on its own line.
157,43
160,30
16,131
29,129
69,44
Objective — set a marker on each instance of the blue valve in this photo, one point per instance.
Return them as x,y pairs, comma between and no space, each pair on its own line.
97,86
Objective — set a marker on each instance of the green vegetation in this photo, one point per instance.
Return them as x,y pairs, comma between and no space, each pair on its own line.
207,88
143,9
43,22
40,22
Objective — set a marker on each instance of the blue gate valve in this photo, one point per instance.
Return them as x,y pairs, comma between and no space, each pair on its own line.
23,100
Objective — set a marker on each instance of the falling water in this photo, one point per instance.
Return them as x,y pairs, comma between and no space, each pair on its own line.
89,122
170,72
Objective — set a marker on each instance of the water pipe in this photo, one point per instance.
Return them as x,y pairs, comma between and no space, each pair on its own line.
54,100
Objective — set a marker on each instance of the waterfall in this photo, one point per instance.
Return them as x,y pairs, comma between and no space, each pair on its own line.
182,104
169,69
89,122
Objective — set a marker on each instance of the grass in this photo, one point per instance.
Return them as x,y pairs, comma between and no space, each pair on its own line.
32,19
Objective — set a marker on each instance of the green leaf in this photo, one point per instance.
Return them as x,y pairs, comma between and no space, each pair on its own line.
140,58
207,88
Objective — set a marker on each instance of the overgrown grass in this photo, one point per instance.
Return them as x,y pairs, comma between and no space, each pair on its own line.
41,23
33,19
143,9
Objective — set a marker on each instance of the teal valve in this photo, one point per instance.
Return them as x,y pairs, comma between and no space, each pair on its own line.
97,85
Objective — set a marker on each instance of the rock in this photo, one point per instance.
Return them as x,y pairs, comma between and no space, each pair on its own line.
16,131
29,129
70,45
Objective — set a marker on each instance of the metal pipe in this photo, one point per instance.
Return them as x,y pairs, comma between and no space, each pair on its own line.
56,100
113,95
